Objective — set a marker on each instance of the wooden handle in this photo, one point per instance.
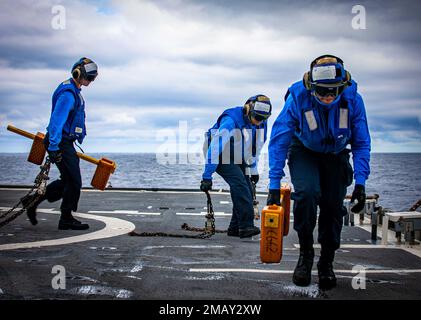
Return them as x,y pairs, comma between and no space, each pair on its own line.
32,136
21,132
87,158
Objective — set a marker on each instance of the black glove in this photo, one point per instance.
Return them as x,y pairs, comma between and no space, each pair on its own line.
206,185
55,156
254,178
359,195
274,197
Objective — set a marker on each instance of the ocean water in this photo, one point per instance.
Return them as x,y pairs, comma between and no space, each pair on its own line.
396,177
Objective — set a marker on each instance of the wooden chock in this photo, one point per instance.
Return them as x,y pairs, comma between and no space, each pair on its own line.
102,174
37,153
105,167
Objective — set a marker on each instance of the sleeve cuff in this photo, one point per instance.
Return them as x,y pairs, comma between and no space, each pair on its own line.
53,148
360,180
274,184
254,171
206,177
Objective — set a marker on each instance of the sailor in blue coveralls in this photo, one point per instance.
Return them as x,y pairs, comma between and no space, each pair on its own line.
322,114
232,149
67,124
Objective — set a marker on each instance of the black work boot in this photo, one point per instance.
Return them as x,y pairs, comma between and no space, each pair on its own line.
67,221
302,272
249,232
233,232
31,211
327,278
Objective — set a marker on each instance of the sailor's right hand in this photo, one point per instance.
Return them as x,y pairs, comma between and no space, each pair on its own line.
359,195
206,185
274,197
55,156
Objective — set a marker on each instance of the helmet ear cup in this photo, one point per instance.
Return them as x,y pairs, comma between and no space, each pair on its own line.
347,78
306,80
247,108
76,73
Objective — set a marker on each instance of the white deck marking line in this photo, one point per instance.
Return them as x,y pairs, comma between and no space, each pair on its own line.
135,212
202,214
40,210
367,271
415,252
186,246
356,246
140,191
159,191
113,227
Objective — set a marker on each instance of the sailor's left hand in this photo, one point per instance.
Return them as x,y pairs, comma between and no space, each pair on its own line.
274,197
359,195
206,185
254,178
55,156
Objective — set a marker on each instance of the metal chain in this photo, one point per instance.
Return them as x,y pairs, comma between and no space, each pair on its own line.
209,229
5,214
207,232
36,192
186,227
255,202
416,205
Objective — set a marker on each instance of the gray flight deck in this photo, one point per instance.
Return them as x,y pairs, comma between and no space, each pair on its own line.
104,262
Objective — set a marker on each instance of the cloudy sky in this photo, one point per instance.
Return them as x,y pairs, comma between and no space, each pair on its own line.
168,63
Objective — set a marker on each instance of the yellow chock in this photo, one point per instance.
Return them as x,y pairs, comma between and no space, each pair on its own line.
272,234
274,226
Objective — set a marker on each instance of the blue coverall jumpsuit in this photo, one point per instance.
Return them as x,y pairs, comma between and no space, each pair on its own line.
314,138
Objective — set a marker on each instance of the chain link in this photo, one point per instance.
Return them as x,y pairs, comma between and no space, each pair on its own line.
255,202
37,191
208,231
416,205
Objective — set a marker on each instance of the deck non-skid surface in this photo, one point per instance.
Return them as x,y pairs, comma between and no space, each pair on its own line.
106,263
